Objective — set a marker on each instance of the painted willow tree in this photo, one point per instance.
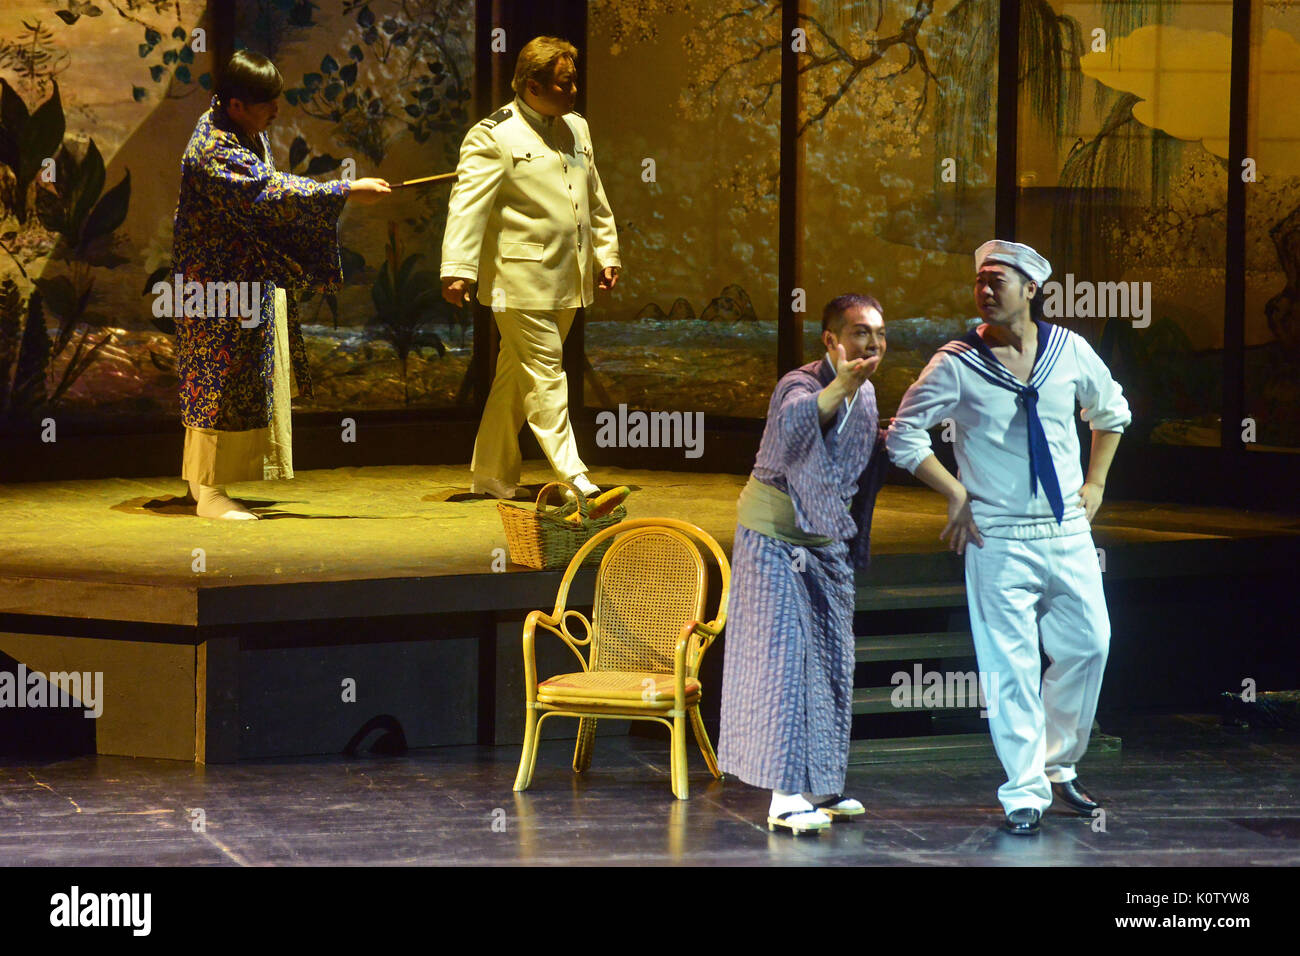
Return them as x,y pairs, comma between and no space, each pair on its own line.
861,52
913,77
919,77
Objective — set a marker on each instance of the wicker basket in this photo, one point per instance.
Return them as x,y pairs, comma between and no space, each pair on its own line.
544,539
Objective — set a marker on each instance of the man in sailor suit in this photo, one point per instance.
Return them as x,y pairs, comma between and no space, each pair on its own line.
1010,386
529,222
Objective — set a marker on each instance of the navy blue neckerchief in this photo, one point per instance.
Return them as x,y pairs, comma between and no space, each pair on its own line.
972,350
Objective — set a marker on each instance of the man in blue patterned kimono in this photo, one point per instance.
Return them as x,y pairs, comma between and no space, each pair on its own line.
804,525
245,232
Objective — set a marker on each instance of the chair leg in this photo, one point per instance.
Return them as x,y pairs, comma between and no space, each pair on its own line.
527,759
586,744
702,738
681,783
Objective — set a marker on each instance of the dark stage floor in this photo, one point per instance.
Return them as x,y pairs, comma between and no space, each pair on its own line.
1184,793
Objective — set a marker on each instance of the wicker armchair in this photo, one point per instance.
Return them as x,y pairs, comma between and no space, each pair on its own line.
645,642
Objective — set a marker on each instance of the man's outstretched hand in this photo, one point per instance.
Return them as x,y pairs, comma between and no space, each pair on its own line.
849,376
369,190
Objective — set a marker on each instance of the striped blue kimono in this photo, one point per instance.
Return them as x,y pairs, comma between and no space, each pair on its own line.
788,650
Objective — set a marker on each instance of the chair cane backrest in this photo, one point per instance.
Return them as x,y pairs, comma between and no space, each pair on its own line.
651,582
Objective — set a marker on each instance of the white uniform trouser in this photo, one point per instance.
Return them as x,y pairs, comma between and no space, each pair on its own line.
530,385
1020,591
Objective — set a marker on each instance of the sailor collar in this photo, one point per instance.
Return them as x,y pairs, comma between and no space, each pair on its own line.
975,352
972,350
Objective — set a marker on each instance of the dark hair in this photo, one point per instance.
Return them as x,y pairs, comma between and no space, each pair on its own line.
1036,303
833,314
249,77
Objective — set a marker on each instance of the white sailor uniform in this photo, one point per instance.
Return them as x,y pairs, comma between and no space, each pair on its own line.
1037,575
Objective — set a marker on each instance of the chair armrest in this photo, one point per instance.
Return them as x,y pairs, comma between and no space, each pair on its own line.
697,637
557,626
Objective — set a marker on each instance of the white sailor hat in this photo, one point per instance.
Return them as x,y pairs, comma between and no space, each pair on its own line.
1014,254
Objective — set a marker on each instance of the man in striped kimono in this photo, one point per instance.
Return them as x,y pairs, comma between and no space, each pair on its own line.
804,524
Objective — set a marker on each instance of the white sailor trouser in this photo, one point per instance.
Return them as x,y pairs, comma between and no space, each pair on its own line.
1021,591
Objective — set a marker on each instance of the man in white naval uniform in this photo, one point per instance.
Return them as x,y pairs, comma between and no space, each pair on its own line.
529,222
1010,386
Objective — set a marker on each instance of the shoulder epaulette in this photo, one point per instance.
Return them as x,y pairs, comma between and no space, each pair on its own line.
500,116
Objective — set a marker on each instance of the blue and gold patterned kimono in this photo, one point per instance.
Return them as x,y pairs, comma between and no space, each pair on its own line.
239,220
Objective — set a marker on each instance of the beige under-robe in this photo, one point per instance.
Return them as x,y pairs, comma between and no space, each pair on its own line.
219,458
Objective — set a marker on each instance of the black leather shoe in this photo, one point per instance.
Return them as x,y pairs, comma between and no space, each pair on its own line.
1023,821
1074,797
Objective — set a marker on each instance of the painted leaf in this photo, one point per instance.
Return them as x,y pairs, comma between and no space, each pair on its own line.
41,136
322,164
88,187
158,275
109,212
60,295
297,151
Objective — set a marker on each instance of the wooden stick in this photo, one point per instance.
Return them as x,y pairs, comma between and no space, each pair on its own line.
440,178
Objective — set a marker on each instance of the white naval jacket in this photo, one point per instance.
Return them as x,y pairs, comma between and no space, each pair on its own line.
991,430
527,217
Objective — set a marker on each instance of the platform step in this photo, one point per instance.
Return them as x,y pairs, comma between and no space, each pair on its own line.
873,598
914,647
921,749
879,700
954,747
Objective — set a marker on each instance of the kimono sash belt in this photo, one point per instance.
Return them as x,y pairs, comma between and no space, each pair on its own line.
770,511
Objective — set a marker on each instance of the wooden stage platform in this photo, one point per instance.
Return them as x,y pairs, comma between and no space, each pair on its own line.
221,641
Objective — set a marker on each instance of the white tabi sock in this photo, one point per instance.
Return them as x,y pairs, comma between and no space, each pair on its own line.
213,502
847,803
783,802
